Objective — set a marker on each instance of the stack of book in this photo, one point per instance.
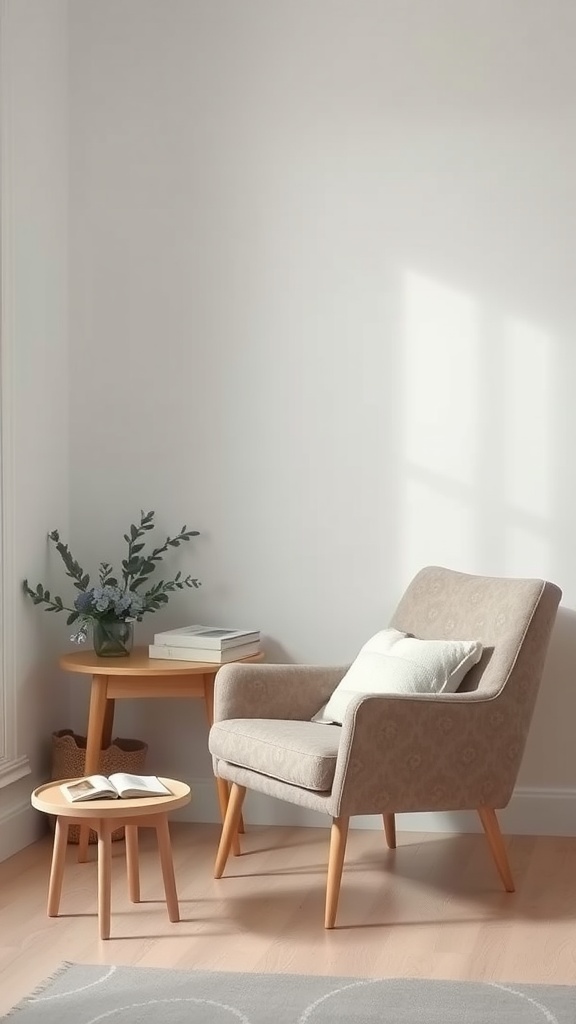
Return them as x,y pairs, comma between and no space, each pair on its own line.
205,643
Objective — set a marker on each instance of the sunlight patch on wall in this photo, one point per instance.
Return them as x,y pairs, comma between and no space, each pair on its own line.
439,425
527,441
440,379
527,552
437,527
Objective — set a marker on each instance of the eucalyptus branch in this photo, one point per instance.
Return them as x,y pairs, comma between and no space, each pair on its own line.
130,564
137,570
41,596
73,570
158,595
117,597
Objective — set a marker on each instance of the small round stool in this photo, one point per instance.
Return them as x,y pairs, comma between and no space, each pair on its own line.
104,816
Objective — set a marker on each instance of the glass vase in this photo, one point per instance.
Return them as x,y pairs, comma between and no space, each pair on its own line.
112,639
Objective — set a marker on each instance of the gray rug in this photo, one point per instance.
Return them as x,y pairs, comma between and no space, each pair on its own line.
136,995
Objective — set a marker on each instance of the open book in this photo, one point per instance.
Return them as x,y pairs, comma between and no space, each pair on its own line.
120,785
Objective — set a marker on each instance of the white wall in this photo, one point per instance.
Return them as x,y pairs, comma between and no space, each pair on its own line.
322,309
35,204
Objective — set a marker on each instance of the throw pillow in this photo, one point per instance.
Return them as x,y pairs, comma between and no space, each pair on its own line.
395,662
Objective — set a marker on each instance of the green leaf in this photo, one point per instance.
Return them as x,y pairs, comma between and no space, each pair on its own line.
137,569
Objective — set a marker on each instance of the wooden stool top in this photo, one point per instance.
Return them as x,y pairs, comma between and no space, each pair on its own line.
50,799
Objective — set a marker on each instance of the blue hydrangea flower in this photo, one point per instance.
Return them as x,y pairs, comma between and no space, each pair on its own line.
83,602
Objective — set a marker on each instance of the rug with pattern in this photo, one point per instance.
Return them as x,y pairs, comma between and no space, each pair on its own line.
86,994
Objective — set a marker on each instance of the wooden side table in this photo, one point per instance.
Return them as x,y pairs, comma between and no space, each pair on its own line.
104,816
133,677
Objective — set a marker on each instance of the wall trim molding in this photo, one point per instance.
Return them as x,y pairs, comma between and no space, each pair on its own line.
20,825
14,769
12,766
532,811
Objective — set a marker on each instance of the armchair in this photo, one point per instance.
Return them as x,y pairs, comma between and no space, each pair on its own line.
394,753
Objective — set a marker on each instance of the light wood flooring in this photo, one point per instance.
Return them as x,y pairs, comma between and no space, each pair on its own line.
432,908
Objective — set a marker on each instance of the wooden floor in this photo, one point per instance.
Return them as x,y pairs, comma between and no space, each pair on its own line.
433,908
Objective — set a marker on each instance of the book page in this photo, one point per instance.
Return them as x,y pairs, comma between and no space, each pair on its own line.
92,787
98,781
144,784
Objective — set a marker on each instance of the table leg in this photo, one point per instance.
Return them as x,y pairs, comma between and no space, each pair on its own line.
104,875
57,868
99,717
106,738
222,787
99,733
165,850
132,864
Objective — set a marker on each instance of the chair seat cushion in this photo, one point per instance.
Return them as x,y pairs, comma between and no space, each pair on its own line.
299,753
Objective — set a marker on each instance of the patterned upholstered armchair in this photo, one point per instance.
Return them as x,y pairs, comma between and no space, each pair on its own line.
443,752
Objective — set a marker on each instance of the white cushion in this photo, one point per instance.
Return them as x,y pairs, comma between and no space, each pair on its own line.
394,662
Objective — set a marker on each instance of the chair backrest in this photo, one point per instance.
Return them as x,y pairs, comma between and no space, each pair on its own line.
504,614
513,620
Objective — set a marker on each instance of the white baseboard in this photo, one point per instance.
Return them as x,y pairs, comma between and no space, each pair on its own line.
20,825
532,811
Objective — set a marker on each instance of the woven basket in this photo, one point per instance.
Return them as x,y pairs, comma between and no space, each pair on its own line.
69,759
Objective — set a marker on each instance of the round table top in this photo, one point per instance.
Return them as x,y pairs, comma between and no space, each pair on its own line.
139,664
51,799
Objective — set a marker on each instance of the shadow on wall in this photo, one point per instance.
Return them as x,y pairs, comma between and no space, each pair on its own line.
550,740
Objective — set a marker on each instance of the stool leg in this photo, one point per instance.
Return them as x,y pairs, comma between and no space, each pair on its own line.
132,865
57,868
83,844
165,849
104,875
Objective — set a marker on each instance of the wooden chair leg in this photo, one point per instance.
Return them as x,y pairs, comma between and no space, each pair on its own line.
497,847
58,864
229,828
338,837
222,787
223,790
390,830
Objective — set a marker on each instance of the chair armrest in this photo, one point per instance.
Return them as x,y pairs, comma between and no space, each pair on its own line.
426,752
273,691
